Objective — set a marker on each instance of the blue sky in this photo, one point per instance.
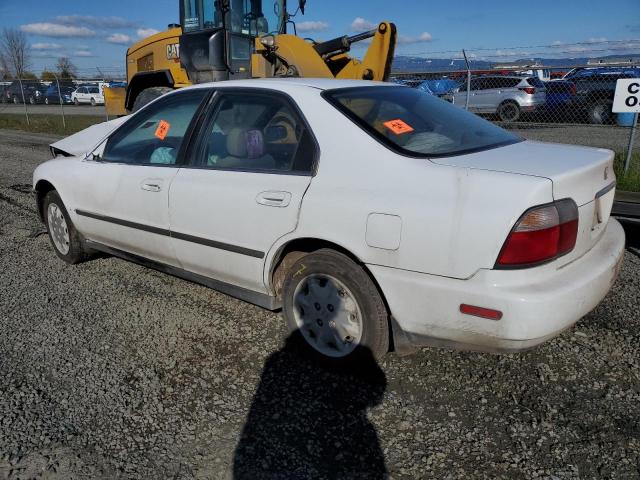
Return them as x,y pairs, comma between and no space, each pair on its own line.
97,33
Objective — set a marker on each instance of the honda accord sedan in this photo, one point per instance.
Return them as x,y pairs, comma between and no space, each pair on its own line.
375,216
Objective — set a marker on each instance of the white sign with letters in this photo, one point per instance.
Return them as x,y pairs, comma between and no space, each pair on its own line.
627,98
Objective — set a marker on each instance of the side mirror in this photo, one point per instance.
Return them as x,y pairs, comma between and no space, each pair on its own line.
301,4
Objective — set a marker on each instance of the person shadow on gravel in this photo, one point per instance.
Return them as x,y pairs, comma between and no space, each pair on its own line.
307,421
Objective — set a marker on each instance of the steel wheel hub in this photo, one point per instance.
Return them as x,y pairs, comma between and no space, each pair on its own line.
327,315
58,228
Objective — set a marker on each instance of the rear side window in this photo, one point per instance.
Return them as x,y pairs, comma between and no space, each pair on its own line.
535,82
256,131
417,124
155,134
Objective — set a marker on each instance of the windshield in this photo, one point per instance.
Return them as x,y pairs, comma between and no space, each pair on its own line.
244,16
415,123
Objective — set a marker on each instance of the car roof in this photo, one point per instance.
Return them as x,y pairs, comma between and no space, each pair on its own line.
286,83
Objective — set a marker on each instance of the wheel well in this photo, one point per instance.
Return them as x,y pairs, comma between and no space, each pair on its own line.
293,250
143,80
42,188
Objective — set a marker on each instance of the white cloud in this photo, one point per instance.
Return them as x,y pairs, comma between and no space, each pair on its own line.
47,29
83,53
597,40
46,46
312,26
422,38
119,38
359,24
146,32
95,21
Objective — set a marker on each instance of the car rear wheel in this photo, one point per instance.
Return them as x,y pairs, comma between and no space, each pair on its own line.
64,237
600,112
46,101
148,95
32,100
331,304
16,100
509,111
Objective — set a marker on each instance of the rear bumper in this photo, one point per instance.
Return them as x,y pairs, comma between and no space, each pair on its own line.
537,304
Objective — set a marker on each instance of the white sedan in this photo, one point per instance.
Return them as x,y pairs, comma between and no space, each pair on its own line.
90,95
375,216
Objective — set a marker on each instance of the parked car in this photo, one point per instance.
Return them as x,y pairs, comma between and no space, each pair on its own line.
3,88
595,89
505,96
90,95
29,91
55,96
372,214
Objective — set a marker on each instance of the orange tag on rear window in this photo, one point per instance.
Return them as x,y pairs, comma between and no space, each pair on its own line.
398,126
162,130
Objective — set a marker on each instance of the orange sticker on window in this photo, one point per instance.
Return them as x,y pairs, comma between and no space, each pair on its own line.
163,129
398,126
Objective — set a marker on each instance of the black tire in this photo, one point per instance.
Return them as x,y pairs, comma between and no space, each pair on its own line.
148,95
32,100
509,111
77,252
374,340
76,102
16,100
46,100
599,112
93,102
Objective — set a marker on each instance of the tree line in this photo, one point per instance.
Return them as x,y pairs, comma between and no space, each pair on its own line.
15,59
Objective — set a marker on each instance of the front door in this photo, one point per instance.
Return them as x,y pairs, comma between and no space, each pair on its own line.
123,194
244,187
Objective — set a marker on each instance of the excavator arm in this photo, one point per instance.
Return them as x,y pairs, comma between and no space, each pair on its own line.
289,55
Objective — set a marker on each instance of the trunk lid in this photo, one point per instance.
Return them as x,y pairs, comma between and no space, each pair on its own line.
583,174
576,172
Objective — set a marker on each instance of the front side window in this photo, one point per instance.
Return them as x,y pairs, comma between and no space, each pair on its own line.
155,134
257,132
417,124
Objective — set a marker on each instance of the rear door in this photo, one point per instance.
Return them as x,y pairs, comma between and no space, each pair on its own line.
244,187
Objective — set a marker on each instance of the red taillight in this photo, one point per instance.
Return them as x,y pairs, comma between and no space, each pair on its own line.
529,90
542,234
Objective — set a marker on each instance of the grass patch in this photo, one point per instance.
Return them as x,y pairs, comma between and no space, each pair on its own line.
631,181
46,123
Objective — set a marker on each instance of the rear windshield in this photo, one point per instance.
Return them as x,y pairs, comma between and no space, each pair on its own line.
415,123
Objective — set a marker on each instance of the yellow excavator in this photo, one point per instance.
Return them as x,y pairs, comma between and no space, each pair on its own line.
231,39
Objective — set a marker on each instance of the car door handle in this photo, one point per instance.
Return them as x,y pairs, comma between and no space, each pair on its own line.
151,186
274,199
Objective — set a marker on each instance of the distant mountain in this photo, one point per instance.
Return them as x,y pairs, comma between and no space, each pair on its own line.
403,63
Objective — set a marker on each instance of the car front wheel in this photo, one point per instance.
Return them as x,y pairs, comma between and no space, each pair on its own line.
93,102
76,102
331,304
63,235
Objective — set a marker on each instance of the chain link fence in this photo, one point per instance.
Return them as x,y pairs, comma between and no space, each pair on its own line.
60,97
560,104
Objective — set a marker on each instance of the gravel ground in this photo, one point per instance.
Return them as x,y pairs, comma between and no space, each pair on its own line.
111,370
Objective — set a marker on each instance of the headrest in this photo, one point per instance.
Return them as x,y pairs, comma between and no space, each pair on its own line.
245,143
